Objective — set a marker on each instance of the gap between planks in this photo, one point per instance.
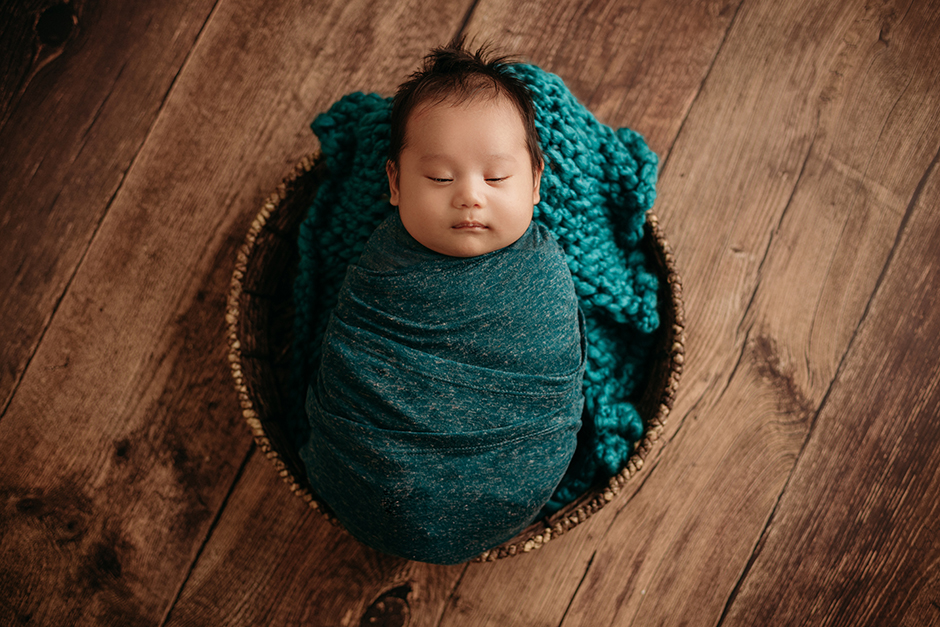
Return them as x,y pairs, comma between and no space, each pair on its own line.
899,236
94,233
253,450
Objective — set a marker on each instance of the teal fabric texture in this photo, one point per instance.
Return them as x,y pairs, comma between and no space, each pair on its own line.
447,404
597,185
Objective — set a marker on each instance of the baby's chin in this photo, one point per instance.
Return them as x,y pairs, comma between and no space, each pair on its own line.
466,245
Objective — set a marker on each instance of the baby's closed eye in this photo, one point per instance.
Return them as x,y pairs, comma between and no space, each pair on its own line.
489,179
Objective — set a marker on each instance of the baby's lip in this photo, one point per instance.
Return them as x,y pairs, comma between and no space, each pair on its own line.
469,224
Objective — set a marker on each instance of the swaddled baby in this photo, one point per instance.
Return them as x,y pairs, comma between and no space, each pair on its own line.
448,398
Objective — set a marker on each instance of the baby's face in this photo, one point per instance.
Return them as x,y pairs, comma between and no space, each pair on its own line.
465,185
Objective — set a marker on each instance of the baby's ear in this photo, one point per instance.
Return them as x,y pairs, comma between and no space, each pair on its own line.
538,182
392,173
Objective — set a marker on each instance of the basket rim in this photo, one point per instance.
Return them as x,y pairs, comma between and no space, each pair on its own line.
541,531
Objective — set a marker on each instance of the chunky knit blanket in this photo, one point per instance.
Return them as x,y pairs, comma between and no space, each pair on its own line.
597,185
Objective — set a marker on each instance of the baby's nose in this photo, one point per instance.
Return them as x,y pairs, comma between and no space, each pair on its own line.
469,193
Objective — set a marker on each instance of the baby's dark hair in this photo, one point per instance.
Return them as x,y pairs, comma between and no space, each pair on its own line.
453,73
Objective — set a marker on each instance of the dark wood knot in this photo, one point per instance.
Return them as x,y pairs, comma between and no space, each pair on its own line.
55,25
389,610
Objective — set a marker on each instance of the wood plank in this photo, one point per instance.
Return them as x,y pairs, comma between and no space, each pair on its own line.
124,436
120,452
852,137
273,561
384,586
80,86
855,539
639,65
771,115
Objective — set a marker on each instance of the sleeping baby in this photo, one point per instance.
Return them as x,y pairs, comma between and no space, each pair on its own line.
449,393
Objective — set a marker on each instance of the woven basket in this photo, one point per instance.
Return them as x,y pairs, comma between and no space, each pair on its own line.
260,322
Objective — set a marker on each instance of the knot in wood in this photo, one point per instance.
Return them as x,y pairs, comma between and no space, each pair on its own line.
55,24
389,610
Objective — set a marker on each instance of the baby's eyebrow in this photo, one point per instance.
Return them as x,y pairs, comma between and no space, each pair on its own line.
434,157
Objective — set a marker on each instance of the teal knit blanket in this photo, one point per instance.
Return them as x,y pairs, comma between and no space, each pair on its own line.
597,185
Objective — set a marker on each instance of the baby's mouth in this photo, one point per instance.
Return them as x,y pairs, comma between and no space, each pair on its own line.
469,225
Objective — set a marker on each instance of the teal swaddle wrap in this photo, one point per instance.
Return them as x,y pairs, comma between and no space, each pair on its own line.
597,185
448,399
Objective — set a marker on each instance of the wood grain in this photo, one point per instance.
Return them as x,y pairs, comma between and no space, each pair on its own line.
355,584
855,538
775,207
632,64
80,86
797,482
273,561
112,482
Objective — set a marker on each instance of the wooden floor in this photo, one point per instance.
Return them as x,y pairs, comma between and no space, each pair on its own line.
797,482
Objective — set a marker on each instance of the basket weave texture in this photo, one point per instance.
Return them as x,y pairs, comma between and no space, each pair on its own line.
259,317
